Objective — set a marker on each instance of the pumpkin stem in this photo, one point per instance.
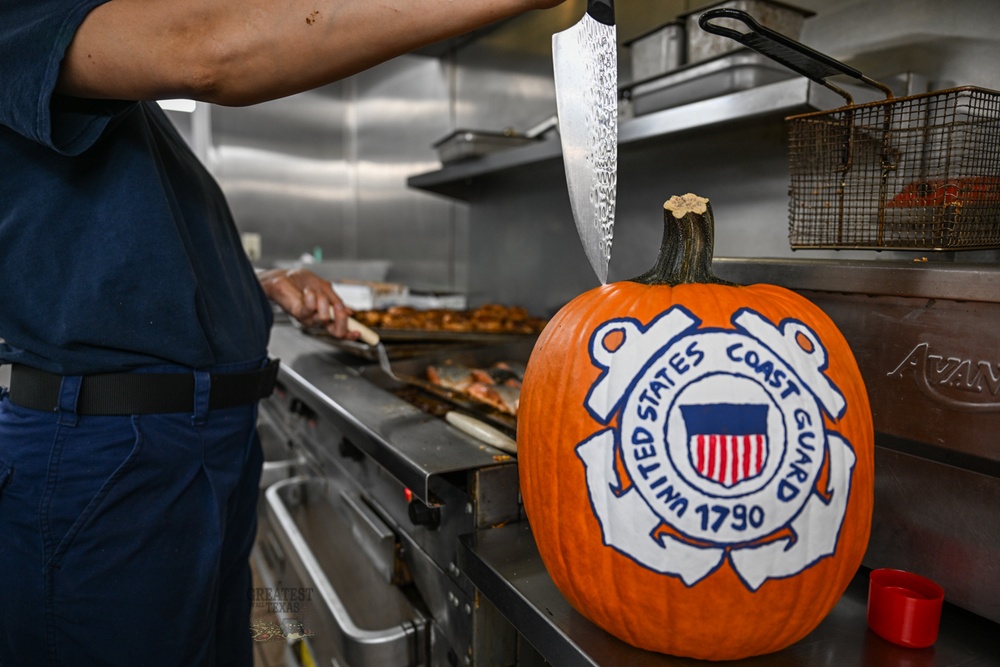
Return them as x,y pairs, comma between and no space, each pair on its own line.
687,245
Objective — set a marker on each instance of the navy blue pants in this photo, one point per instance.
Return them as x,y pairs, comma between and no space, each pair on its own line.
125,540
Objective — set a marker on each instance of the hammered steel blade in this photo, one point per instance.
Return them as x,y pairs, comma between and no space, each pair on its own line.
585,64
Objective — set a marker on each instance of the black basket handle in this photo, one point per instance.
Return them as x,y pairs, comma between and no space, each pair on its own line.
785,50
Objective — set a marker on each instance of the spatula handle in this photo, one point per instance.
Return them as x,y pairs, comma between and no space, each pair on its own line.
367,335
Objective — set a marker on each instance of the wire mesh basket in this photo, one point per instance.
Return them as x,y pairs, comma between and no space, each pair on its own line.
917,173
920,172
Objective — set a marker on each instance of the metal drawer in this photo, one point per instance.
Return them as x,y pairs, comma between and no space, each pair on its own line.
352,614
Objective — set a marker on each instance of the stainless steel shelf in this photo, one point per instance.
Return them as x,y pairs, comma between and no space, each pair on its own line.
774,101
504,565
922,280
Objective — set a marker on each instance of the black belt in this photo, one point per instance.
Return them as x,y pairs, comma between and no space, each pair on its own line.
140,393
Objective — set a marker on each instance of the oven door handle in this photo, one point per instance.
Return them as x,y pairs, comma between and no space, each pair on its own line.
372,535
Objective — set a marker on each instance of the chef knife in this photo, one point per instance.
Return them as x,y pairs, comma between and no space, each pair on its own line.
585,65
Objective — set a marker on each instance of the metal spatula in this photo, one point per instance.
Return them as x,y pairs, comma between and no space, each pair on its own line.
373,340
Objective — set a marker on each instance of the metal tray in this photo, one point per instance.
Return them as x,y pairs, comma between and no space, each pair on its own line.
408,343
467,144
515,348
657,51
437,336
729,73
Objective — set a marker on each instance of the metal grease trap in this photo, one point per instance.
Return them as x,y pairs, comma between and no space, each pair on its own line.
908,173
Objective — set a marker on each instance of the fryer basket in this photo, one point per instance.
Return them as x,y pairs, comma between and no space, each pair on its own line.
920,172
913,173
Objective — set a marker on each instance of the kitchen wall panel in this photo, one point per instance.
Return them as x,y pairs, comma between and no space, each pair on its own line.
399,110
328,168
285,171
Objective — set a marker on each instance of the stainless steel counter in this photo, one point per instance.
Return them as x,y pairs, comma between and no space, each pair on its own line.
505,565
936,457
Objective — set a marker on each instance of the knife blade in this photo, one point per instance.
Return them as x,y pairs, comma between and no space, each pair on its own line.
585,66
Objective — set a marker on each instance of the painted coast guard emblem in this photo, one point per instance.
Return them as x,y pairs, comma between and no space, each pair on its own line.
722,449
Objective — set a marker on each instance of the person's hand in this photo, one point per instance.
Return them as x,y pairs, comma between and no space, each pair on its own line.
309,299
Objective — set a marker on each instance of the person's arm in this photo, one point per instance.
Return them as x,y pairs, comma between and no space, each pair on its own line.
308,298
238,52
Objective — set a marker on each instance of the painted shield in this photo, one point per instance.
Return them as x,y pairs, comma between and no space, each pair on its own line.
727,442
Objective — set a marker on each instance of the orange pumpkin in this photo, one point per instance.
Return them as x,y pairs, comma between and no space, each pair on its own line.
696,457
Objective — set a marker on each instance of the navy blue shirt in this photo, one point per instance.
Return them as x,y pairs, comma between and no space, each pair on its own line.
117,248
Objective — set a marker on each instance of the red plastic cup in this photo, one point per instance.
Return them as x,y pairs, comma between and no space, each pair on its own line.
904,608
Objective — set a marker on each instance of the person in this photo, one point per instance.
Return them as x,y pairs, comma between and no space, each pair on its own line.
136,327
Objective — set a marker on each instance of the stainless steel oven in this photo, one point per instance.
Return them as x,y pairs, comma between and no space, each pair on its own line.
365,523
